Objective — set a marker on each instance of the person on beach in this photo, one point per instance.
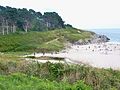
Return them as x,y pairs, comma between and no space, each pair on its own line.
34,53
89,47
106,51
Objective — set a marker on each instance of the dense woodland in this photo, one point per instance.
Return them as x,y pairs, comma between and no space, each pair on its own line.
12,20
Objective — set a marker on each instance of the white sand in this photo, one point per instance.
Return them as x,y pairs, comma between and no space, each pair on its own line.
98,55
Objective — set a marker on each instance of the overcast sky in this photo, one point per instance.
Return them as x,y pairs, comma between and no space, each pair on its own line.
85,14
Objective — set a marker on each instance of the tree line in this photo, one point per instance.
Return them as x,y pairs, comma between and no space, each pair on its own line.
13,19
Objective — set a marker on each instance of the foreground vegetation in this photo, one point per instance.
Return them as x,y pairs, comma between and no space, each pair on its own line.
48,41
18,74
23,82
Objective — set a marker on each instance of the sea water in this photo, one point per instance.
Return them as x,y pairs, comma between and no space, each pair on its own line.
113,34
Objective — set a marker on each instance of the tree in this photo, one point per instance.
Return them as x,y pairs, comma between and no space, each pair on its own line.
68,25
53,20
12,19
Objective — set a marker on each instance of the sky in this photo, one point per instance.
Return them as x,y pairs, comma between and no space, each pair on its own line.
82,14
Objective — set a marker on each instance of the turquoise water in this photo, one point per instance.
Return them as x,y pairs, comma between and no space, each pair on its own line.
113,34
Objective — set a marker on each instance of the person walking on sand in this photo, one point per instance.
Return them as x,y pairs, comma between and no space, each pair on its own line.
106,51
34,53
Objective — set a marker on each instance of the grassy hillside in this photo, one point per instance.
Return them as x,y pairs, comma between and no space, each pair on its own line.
53,40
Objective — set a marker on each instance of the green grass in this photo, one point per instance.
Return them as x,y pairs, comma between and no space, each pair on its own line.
57,76
48,41
23,82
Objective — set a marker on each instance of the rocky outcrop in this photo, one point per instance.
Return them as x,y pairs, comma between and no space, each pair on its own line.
96,38
99,39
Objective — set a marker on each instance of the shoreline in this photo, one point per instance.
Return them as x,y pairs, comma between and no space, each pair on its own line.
113,42
104,55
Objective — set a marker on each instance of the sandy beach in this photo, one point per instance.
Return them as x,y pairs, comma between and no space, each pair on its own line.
104,55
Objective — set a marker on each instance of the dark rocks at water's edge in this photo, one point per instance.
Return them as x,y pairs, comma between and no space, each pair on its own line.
99,39
96,38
